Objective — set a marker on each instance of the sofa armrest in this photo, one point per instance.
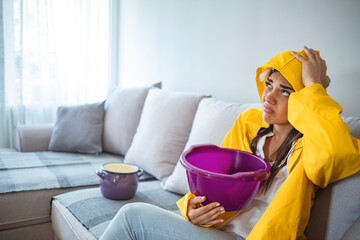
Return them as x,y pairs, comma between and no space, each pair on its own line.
32,138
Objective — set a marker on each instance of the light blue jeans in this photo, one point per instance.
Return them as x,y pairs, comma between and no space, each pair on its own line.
145,221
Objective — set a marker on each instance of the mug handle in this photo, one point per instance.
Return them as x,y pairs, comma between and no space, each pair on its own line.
140,172
100,174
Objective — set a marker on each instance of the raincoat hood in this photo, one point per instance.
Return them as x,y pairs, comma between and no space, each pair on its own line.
287,65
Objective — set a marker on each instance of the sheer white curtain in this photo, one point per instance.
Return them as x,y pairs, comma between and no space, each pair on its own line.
56,53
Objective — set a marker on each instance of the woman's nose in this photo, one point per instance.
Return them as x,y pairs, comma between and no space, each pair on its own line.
270,97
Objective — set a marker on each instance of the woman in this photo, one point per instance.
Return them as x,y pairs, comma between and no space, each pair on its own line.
298,130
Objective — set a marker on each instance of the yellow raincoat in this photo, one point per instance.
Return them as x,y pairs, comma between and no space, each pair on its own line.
326,153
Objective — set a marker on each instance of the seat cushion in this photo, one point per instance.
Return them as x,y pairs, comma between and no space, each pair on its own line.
50,170
41,231
27,208
30,180
66,225
85,212
7,150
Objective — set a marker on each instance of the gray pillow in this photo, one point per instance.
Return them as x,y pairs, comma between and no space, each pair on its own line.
78,129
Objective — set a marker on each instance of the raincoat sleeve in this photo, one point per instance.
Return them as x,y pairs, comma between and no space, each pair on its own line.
330,153
183,204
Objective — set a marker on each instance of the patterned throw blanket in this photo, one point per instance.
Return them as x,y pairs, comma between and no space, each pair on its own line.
95,212
49,170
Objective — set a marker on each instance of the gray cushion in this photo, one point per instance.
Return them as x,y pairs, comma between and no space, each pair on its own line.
335,209
353,232
95,212
78,129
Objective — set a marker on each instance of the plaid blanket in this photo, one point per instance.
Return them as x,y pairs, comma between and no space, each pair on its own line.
95,212
48,170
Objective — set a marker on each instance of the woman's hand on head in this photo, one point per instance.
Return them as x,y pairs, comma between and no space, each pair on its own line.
205,215
313,69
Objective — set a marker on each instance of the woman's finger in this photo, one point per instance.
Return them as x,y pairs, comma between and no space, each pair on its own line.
323,67
310,54
205,209
323,63
298,57
209,216
317,57
198,216
327,81
216,221
194,202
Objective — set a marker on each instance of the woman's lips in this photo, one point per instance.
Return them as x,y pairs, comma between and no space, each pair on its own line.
267,108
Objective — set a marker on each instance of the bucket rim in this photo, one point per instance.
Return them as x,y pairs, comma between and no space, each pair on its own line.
251,176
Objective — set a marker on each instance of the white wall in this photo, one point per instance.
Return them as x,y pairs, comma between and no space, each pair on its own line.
215,46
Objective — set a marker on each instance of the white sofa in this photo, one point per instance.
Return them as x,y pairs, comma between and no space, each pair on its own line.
150,128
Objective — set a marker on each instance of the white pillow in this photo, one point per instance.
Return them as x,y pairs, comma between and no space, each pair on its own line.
353,124
212,121
163,131
123,109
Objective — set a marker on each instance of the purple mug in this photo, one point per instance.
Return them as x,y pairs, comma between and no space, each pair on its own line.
119,181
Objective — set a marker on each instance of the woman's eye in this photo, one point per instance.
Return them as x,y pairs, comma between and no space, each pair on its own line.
285,93
268,84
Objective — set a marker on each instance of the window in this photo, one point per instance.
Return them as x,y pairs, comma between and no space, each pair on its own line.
61,51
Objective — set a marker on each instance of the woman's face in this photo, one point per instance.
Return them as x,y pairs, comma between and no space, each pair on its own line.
275,99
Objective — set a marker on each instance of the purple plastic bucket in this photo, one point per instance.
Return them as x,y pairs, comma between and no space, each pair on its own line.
119,181
229,176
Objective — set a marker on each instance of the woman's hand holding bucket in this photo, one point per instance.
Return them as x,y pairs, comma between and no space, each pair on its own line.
204,215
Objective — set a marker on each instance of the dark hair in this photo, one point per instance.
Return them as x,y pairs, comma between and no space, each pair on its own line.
272,70
280,154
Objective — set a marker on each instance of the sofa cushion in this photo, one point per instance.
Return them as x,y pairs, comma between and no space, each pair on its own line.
50,170
212,121
7,150
163,131
27,208
123,109
78,129
87,211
